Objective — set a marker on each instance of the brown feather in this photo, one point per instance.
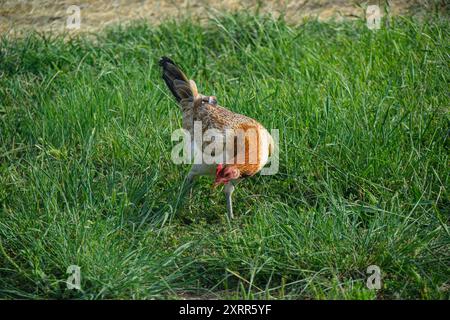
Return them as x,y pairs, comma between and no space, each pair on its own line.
213,116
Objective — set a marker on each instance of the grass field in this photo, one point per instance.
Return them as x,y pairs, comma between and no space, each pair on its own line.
86,177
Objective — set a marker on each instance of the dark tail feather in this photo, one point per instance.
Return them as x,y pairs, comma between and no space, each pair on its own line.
175,79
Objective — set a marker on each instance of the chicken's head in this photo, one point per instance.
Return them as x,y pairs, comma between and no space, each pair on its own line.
226,173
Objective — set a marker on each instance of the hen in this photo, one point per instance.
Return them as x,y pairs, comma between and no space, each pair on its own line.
245,144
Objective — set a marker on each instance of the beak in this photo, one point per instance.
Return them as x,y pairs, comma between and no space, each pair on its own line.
219,181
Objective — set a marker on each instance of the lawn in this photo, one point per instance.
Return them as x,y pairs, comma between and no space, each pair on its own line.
86,176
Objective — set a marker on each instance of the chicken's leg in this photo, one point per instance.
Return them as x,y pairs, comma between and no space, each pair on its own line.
229,189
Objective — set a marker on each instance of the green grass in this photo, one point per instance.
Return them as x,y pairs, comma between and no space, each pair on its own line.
86,177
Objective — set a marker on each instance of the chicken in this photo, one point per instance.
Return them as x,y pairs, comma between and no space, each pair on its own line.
246,144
